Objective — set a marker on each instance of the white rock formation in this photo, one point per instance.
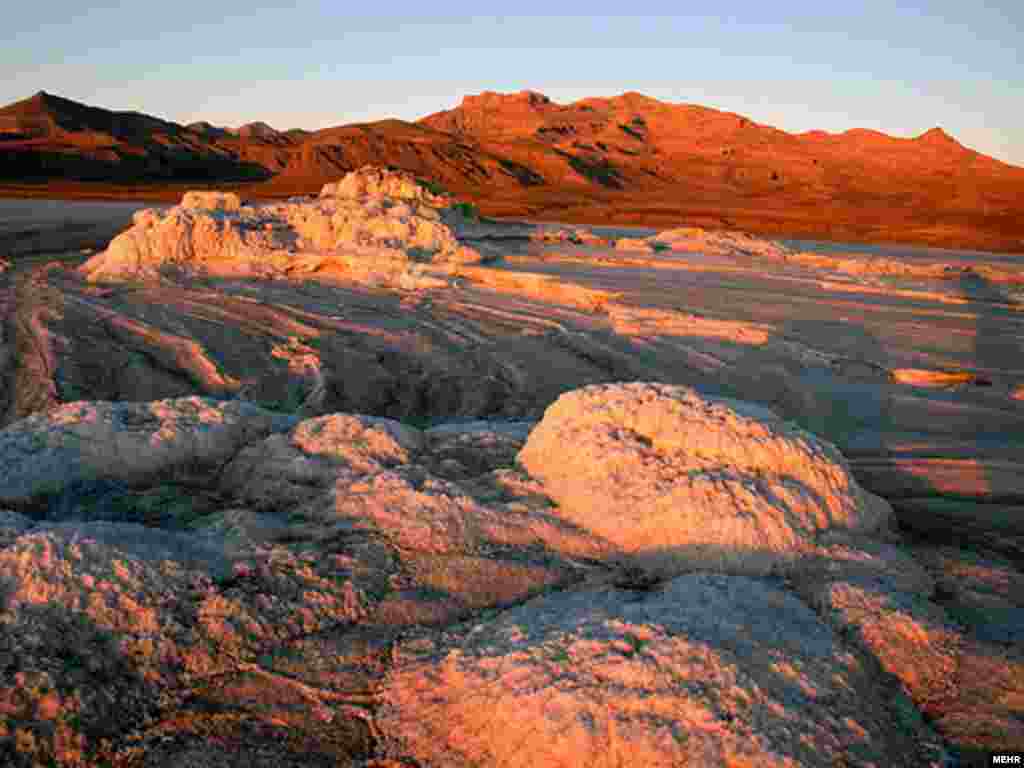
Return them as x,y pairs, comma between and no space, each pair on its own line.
372,226
680,482
717,242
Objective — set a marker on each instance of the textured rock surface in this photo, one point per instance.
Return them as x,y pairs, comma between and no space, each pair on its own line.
680,482
705,671
378,182
881,597
984,593
574,235
633,244
84,443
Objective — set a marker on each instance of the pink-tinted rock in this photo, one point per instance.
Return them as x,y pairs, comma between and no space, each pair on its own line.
708,670
370,182
574,235
336,525
880,597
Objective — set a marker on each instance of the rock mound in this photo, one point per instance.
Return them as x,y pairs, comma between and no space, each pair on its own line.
679,482
183,557
373,225
709,671
698,240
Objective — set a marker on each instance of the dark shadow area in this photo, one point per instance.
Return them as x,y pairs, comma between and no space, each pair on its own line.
526,177
999,331
596,169
112,166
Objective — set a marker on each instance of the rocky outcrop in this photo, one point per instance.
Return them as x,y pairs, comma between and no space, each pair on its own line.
633,244
371,226
273,573
881,597
373,589
679,482
371,182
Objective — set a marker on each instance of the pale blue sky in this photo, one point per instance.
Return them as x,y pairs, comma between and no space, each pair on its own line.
795,64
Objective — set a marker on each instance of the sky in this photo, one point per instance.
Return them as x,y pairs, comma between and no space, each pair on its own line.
794,64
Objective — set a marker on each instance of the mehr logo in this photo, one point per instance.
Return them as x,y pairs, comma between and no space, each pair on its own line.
1006,758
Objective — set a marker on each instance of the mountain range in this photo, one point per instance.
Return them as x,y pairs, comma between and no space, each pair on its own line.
628,159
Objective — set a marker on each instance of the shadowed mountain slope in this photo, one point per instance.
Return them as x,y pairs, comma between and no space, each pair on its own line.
47,136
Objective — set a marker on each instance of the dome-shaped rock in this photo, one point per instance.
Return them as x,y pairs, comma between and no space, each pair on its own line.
677,481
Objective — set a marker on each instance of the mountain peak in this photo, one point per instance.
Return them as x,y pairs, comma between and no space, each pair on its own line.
493,98
938,137
257,129
42,99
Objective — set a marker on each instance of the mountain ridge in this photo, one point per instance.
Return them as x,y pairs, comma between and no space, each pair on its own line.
628,159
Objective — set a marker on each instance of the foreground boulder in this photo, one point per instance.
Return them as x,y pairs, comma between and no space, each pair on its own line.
679,482
372,225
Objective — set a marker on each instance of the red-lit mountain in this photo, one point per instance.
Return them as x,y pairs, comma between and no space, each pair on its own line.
626,159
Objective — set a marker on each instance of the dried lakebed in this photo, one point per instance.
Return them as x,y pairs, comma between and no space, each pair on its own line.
354,503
